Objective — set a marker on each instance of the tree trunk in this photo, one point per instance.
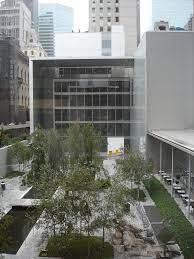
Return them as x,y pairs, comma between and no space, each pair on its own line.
103,235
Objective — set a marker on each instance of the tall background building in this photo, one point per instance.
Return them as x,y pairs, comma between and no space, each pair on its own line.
175,12
105,13
15,20
33,7
46,33
62,15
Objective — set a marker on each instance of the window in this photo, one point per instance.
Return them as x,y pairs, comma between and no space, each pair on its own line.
101,9
109,28
116,19
108,9
26,53
116,1
116,9
40,54
32,53
109,19
101,1
31,40
101,28
93,10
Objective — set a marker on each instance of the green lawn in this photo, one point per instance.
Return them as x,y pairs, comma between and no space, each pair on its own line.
77,247
181,227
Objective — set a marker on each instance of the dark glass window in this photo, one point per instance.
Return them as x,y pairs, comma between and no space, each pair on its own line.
88,115
73,100
103,129
88,100
126,100
111,129
126,129
65,115
64,87
96,115
119,100
126,114
95,100
80,115
111,115
65,100
58,87
119,129
73,115
111,100
119,115
103,115
103,100
80,100
58,115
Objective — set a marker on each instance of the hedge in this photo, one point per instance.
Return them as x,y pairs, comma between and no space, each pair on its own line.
179,225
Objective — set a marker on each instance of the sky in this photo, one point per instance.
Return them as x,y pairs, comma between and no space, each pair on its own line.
81,12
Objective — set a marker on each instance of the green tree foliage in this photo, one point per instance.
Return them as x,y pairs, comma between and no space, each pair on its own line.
134,168
22,154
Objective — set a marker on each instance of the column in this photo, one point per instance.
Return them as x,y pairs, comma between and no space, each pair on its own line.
189,200
160,157
172,175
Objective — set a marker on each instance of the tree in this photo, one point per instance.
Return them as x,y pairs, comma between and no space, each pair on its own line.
21,153
135,168
83,145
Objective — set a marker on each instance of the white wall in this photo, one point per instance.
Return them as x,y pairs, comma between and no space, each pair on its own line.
169,80
78,44
89,44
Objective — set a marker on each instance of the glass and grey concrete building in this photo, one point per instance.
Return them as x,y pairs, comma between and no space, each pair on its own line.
96,91
63,16
176,12
46,33
164,83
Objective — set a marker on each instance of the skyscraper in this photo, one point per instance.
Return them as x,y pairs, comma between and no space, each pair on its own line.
15,20
33,7
105,13
46,33
176,12
62,15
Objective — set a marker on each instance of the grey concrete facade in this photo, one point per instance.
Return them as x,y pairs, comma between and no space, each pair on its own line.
105,13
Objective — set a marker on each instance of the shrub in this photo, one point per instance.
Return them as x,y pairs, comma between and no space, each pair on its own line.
179,225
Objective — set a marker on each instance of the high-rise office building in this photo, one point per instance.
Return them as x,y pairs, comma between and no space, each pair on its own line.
62,15
33,7
175,12
15,20
105,13
46,33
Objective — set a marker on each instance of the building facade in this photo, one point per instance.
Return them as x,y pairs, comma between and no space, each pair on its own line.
94,44
15,20
88,90
175,12
34,49
14,82
105,13
46,33
33,7
63,16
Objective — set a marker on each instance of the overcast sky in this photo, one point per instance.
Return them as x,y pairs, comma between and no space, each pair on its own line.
80,11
